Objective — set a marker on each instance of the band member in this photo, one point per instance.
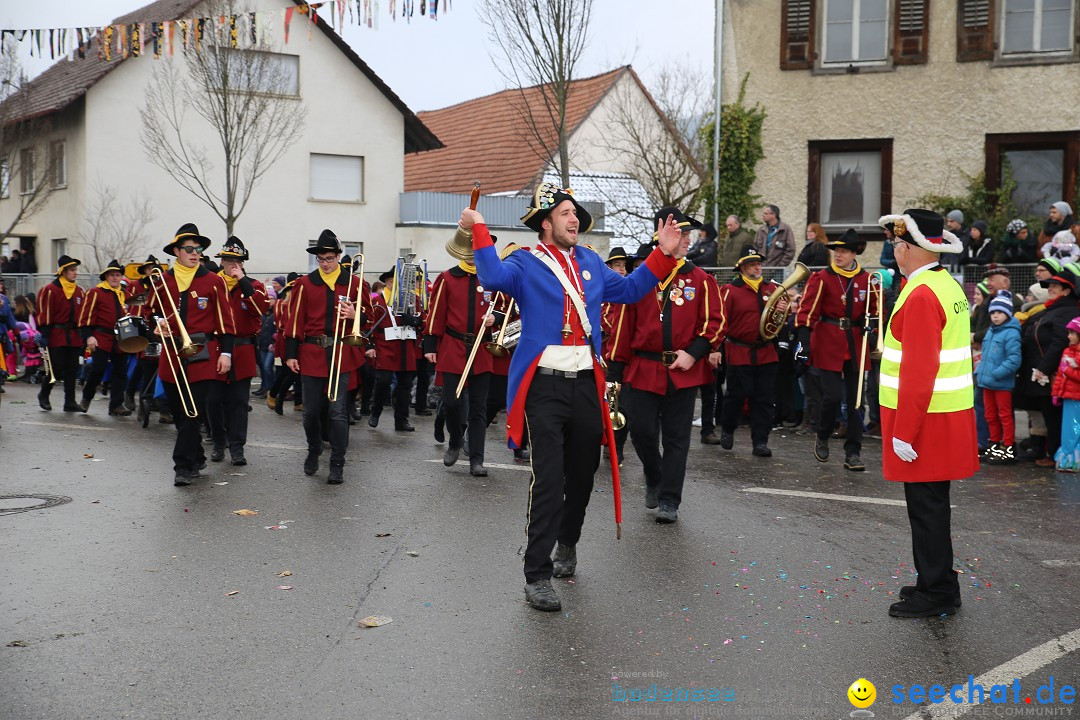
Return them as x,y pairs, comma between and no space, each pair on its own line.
395,351
284,378
457,313
102,306
614,327
556,380
829,326
928,430
751,361
669,337
59,304
201,302
322,311
228,408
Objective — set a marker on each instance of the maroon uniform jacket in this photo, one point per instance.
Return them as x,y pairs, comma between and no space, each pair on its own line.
281,320
825,311
682,313
394,355
249,301
101,309
455,315
742,308
58,316
207,316
311,314
501,365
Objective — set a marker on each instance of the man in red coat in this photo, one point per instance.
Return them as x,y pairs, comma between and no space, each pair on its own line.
102,306
322,308
614,327
751,362
458,312
927,404
394,336
670,334
59,304
228,407
829,325
201,303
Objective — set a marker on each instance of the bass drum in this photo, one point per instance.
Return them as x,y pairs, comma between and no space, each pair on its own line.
132,334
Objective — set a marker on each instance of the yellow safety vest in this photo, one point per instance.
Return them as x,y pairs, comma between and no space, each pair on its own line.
953,385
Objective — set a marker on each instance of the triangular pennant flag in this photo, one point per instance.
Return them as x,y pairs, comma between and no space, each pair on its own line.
288,19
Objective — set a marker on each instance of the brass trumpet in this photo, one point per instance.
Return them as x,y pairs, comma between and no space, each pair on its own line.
186,348
618,420
47,359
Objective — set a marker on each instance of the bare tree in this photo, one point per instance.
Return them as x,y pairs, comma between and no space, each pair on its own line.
248,96
537,45
29,162
113,229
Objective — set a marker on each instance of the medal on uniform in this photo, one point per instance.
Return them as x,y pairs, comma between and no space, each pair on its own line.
586,274
679,301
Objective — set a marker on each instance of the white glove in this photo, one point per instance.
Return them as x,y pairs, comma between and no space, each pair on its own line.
1039,377
904,451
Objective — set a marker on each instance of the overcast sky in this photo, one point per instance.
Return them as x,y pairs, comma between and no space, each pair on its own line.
432,64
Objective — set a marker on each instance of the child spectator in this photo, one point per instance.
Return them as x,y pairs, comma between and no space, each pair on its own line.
1062,246
996,375
1067,391
31,352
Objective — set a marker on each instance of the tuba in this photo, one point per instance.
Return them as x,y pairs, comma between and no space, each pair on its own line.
772,318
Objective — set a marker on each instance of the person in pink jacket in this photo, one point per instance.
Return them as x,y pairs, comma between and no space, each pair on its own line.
1066,392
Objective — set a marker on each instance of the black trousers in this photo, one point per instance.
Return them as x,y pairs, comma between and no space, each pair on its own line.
756,382
709,407
402,393
812,392
423,382
367,386
227,411
1052,416
188,448
563,417
284,379
931,538
118,381
835,388
668,418
477,391
496,397
65,366
316,404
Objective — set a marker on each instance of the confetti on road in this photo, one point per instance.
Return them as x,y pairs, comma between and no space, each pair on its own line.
373,621
245,512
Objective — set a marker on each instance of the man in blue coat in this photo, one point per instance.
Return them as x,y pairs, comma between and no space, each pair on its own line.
556,381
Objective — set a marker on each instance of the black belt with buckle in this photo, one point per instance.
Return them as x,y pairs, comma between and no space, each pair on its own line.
467,338
323,341
243,341
586,373
667,357
201,338
842,323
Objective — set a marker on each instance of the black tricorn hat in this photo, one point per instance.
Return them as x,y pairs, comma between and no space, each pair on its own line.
748,254
848,241
234,249
327,242
187,231
661,216
616,253
64,262
545,199
387,275
113,266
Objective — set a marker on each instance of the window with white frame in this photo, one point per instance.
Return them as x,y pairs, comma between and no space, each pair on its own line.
58,163
59,247
26,171
336,178
5,178
258,71
1037,26
850,183
856,31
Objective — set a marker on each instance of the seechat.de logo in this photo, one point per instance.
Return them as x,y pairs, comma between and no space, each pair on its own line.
862,695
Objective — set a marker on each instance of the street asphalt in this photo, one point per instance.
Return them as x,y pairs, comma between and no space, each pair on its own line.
138,599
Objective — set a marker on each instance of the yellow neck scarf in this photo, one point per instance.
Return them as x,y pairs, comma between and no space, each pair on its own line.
330,278
754,284
471,269
671,276
387,292
68,286
184,275
846,273
230,281
104,285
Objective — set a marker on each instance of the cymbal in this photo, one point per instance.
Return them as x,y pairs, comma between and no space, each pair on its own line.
140,299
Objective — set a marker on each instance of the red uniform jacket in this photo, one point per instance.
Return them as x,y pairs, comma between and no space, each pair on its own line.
57,316
312,311
281,319
823,306
684,314
501,365
739,327
394,355
456,314
100,311
207,316
613,325
249,301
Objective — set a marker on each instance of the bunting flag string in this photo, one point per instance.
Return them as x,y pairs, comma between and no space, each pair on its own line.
252,29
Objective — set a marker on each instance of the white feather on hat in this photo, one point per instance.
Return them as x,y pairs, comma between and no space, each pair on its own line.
949,242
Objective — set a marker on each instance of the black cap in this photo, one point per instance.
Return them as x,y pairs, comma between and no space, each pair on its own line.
187,231
114,266
65,261
616,253
327,242
748,254
848,241
234,249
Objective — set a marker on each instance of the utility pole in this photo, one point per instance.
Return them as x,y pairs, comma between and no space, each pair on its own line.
719,76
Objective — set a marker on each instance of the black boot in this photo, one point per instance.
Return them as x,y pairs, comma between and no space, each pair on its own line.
336,475
565,561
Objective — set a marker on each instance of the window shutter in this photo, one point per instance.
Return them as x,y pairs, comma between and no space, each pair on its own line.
796,34
975,30
911,32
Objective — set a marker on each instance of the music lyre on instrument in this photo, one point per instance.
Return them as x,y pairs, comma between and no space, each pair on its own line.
460,246
187,348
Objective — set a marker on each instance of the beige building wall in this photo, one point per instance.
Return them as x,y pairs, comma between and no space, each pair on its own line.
937,114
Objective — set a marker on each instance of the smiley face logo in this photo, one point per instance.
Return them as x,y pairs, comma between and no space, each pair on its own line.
862,693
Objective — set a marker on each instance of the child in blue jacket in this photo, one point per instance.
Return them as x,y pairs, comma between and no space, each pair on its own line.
996,375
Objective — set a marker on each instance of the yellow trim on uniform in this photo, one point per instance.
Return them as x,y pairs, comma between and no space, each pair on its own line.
295,297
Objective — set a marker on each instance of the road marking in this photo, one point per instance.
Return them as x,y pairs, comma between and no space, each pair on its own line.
497,466
825,496
275,446
66,426
1061,563
1019,667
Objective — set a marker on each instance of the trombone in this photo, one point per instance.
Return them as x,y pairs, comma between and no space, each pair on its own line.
497,348
877,291
353,339
185,349
478,342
